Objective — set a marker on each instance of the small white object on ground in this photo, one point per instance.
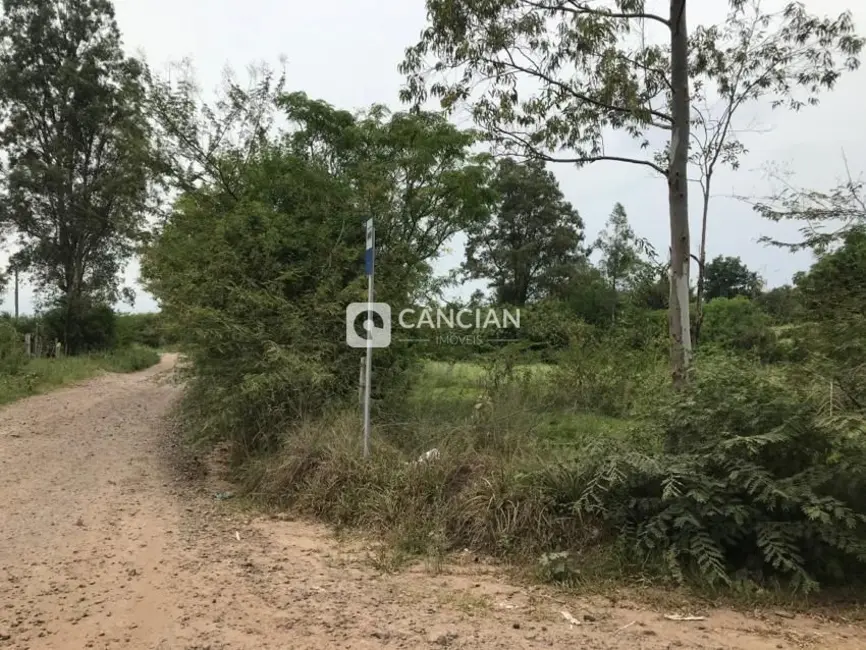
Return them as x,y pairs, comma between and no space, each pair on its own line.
677,617
568,617
432,454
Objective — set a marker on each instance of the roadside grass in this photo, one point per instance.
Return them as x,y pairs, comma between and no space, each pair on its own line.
531,471
500,485
45,374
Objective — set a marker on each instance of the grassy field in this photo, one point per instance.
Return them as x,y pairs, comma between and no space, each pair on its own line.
456,391
42,375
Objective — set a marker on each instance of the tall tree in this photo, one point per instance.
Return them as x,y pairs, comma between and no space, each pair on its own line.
76,183
621,252
591,78
533,240
775,55
415,173
728,277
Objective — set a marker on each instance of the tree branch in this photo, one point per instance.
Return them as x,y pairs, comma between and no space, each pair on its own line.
580,160
579,9
571,91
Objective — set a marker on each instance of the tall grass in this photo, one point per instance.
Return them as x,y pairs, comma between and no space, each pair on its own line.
36,376
756,488
501,485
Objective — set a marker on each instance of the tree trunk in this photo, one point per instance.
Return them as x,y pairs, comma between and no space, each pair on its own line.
702,262
66,320
678,199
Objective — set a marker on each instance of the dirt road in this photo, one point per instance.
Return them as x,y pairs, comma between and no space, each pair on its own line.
104,543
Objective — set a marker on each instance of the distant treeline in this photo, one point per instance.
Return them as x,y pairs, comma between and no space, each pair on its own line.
98,329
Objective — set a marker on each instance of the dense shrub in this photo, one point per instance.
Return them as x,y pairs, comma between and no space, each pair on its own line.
763,484
256,291
833,294
739,325
12,355
83,326
610,372
140,329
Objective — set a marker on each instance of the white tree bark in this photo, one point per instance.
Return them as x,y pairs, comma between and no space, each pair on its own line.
680,334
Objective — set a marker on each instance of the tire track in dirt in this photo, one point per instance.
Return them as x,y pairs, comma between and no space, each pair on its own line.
104,543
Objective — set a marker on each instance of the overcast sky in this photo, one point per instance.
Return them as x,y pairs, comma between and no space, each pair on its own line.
347,51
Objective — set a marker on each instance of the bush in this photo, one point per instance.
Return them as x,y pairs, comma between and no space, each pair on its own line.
739,325
256,291
12,355
763,485
83,327
140,329
609,373
130,359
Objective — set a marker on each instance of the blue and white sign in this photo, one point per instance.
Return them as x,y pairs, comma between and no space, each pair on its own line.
368,252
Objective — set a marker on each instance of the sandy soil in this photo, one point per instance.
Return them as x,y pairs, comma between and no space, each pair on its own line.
108,541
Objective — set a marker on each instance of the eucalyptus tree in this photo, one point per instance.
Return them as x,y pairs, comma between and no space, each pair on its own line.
550,78
76,184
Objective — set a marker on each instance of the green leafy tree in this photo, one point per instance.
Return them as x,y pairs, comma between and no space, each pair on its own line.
833,295
587,294
782,304
649,287
757,54
415,173
257,260
533,240
199,143
591,75
76,184
88,326
255,291
727,277
621,252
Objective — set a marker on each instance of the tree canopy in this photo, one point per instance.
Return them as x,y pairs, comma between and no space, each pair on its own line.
728,277
548,79
532,241
76,185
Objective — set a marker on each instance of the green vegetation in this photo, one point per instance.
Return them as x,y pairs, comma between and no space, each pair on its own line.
562,444
108,342
34,376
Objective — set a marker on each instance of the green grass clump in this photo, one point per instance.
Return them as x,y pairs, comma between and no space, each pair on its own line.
486,491
129,359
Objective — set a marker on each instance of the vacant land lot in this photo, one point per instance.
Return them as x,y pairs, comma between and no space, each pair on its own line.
111,538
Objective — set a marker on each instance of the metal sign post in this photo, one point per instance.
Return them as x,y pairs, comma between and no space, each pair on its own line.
369,255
